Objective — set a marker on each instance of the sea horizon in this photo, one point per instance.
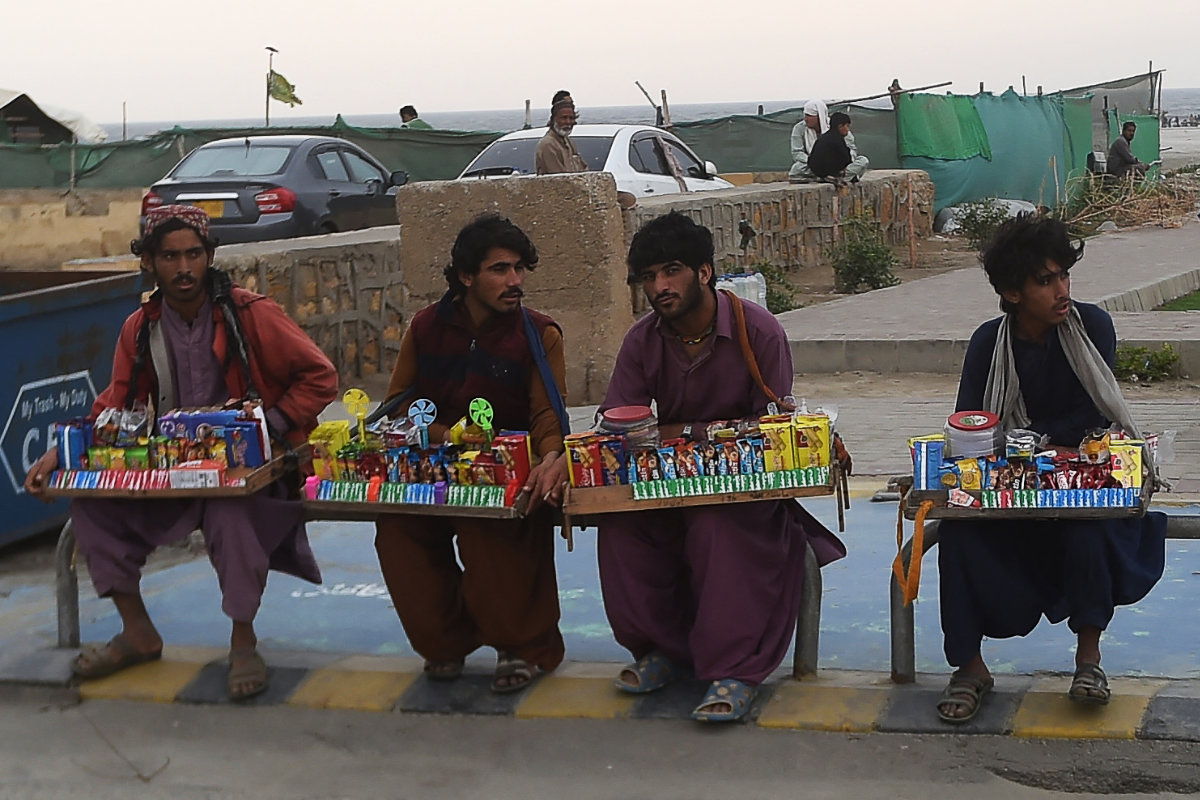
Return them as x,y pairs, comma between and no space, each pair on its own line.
1175,102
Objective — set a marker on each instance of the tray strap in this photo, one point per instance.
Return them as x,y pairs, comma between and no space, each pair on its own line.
910,579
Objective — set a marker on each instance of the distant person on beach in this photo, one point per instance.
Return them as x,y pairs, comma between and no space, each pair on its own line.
1044,365
1121,160
833,157
199,340
409,119
556,152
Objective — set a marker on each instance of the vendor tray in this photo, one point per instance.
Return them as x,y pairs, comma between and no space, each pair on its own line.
912,502
249,481
338,509
587,502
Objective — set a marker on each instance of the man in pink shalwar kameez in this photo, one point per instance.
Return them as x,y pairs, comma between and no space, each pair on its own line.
710,589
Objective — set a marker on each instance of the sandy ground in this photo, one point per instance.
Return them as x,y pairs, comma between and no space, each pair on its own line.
1184,144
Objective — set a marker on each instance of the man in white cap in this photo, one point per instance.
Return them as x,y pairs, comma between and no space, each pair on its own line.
805,135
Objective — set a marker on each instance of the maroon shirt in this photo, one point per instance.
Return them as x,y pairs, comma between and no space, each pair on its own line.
652,365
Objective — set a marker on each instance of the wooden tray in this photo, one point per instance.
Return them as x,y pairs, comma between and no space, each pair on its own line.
339,509
581,504
912,502
255,480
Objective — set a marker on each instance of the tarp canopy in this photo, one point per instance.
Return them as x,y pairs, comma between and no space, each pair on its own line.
28,122
1033,145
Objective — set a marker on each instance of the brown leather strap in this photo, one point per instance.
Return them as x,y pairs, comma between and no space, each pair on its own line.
743,337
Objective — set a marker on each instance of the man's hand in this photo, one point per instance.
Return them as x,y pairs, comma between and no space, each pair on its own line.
546,481
39,474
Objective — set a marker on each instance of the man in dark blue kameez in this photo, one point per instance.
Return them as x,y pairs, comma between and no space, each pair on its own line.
997,579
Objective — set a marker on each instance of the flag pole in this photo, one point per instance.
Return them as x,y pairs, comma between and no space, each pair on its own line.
271,51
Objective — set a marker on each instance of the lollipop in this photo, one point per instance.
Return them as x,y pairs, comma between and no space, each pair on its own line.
423,412
481,415
355,401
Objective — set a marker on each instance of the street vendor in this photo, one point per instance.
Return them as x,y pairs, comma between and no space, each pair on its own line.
710,590
1045,365
474,343
200,341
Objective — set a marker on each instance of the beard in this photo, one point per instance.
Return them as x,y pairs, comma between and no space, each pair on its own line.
688,302
563,130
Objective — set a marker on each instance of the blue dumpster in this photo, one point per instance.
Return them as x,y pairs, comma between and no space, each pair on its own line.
59,330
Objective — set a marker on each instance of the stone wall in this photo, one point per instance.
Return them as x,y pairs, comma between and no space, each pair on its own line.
347,290
43,228
798,223
576,225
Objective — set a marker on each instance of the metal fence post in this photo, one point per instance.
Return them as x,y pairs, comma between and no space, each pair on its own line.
904,656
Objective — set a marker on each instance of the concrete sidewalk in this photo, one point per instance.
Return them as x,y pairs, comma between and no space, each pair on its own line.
924,325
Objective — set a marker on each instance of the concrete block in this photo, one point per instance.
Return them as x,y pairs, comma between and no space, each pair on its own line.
819,356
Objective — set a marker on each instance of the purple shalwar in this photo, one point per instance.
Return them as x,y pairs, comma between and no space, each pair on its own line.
716,588
246,536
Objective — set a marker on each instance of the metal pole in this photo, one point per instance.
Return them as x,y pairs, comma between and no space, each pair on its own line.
808,621
67,588
271,51
904,656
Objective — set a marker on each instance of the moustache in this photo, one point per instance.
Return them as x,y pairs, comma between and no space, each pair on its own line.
665,296
513,293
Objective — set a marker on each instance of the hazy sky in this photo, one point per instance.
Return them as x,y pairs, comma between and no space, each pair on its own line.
175,61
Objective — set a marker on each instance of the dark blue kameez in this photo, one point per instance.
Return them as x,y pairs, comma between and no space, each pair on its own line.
998,579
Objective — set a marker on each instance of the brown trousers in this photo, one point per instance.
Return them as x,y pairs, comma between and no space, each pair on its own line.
505,594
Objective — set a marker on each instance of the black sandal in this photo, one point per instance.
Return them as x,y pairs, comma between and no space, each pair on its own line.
1090,685
966,692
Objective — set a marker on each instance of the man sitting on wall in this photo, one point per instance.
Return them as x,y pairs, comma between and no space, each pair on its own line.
200,341
712,590
1044,366
1121,160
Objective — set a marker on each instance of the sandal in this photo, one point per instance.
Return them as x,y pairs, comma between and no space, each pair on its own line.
246,669
512,674
966,692
1090,685
652,672
100,661
437,670
730,692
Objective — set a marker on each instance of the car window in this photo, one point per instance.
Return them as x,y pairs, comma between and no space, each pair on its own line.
361,170
688,164
517,155
332,166
204,162
644,155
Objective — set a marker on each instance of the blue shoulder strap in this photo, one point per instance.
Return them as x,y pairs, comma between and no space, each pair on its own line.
539,356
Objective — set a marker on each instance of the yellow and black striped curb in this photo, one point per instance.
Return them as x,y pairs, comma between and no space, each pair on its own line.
1027,706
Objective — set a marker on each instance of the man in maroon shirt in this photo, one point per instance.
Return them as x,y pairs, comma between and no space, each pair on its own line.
709,589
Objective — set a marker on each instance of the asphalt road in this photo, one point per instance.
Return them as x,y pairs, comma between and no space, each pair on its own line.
103,750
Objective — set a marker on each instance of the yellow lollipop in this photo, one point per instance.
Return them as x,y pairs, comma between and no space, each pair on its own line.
355,401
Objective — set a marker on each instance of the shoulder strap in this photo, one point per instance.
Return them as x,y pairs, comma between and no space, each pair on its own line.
743,337
543,364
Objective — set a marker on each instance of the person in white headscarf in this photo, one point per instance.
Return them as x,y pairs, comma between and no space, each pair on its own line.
804,136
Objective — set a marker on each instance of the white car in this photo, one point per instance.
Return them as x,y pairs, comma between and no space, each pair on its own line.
635,155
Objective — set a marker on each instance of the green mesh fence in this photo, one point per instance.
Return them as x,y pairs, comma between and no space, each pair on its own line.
1036,143
424,154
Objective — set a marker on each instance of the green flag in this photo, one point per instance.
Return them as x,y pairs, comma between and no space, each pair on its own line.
279,88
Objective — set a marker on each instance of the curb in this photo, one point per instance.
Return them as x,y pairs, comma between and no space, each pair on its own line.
836,700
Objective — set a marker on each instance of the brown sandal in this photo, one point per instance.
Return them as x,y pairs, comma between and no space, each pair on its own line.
246,666
966,692
512,674
107,659
443,670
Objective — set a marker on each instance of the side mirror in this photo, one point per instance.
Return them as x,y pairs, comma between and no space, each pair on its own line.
710,169
398,178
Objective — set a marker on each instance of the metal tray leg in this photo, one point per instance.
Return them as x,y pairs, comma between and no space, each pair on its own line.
904,656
